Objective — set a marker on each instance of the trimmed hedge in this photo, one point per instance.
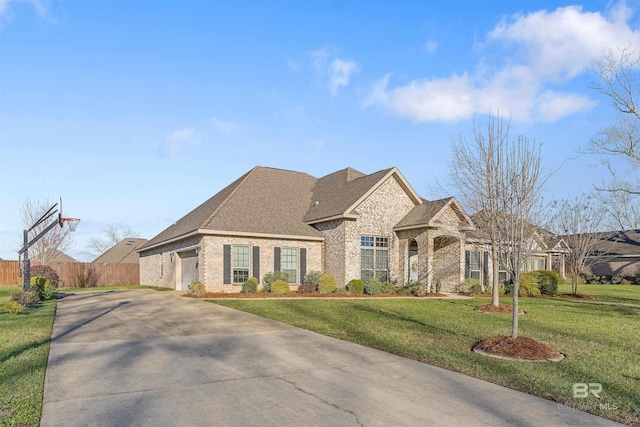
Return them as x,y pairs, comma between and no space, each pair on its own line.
307,288
313,277
280,287
43,288
372,287
250,286
271,277
327,284
355,286
48,272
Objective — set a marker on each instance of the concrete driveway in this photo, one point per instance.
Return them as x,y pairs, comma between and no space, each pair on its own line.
149,358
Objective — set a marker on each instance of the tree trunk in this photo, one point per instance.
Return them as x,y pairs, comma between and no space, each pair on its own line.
495,298
514,324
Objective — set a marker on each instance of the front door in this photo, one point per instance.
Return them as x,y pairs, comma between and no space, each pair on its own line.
413,261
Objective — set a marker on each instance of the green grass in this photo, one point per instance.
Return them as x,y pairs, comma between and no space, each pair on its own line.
601,339
24,350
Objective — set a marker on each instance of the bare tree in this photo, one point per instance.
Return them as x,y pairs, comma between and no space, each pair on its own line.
618,73
112,234
57,239
622,209
502,180
579,222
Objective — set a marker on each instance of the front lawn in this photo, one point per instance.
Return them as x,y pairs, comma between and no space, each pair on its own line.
599,338
24,350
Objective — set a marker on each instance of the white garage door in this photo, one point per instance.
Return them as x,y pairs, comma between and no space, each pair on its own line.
188,269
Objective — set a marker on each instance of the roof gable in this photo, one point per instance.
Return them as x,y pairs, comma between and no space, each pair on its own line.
432,214
338,194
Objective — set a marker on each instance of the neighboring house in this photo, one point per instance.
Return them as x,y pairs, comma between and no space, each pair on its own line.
347,224
53,255
620,253
547,253
123,252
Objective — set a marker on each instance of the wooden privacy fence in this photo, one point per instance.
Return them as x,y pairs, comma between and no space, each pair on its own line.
75,274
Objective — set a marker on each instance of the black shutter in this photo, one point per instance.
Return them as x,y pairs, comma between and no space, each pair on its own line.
256,262
466,264
485,269
276,259
226,262
303,264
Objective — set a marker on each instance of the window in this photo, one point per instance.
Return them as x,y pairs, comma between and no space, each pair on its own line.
290,263
536,263
374,262
240,255
474,264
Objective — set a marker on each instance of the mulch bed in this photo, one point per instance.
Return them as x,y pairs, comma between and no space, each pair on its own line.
581,296
313,295
502,308
521,348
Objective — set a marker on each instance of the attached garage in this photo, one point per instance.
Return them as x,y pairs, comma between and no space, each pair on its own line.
188,269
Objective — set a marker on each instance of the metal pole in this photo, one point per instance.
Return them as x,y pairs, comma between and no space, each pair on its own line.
26,270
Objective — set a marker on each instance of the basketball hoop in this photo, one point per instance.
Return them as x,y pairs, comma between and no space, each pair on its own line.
71,222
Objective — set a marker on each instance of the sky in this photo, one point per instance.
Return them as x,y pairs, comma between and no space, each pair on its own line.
135,112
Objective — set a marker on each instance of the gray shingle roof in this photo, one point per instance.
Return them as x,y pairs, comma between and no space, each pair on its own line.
621,243
281,202
422,214
123,252
337,192
264,200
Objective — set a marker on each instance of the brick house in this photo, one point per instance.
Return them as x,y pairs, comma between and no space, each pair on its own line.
347,224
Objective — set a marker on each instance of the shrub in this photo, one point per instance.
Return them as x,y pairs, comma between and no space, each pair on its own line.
43,288
307,288
438,286
86,278
13,307
410,288
327,284
616,280
388,288
472,286
271,277
529,290
545,280
250,286
548,282
197,289
530,278
340,291
313,277
280,287
355,286
372,287
48,272
25,299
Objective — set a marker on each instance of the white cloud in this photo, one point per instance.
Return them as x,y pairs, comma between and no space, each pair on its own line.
225,126
38,5
337,70
179,138
547,50
431,47
319,58
340,71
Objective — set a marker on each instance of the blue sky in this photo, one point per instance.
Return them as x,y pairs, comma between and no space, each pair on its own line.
137,111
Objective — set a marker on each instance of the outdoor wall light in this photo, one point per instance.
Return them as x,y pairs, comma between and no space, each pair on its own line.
171,256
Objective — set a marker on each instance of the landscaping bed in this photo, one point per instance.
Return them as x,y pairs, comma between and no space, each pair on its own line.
218,295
